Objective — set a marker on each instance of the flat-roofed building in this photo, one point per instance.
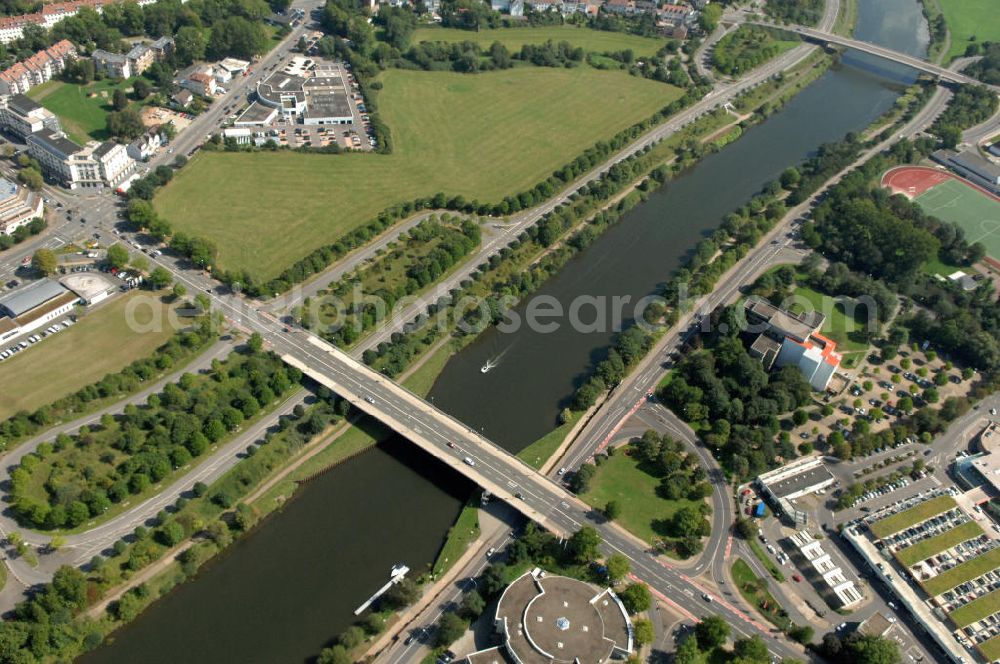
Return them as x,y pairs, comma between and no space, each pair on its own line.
18,206
33,306
796,478
256,115
283,92
23,116
326,101
545,618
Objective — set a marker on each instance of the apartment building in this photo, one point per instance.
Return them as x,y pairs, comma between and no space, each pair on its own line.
39,68
94,165
23,116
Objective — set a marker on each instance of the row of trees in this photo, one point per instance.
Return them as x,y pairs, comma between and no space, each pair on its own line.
84,474
971,105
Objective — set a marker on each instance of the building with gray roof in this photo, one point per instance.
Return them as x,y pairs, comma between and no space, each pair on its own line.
33,306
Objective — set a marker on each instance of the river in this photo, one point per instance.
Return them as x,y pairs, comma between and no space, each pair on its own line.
280,594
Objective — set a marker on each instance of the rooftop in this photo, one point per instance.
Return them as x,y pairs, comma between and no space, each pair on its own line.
25,299
22,104
56,141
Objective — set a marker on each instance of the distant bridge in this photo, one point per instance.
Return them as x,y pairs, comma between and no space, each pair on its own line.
941,73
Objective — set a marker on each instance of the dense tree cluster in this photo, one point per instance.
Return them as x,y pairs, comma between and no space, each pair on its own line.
83,475
803,12
549,54
738,403
971,105
744,49
22,233
986,69
181,345
680,473
859,648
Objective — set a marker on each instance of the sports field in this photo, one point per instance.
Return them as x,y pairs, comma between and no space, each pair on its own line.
482,136
970,18
924,549
916,514
594,41
970,569
950,198
101,342
977,609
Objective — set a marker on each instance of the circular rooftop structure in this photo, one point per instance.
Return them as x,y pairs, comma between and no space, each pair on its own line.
559,619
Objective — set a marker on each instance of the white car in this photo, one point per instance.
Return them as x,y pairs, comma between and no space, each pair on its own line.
468,461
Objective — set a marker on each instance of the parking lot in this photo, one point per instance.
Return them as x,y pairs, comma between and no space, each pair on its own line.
36,337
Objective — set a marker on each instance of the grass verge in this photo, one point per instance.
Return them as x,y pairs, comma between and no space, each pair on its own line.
924,549
916,514
540,451
460,536
754,590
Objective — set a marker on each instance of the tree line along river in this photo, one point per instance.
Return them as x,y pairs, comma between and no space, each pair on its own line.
281,593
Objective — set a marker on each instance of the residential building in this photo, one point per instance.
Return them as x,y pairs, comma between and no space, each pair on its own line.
23,116
620,6
146,145
12,27
37,69
113,65
18,206
162,48
140,57
29,308
200,83
183,98
221,75
94,165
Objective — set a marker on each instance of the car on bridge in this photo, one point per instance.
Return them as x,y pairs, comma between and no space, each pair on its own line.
468,461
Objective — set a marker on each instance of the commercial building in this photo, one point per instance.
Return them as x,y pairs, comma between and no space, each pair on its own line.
256,115
234,67
543,618
788,339
797,478
33,306
18,206
318,97
22,117
94,165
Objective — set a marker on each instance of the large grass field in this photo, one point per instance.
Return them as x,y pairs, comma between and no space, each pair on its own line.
966,571
101,342
916,514
970,18
82,109
932,545
595,41
483,136
975,213
643,512
977,609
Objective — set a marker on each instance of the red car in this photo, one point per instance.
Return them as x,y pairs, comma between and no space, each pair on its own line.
452,445
796,578
746,492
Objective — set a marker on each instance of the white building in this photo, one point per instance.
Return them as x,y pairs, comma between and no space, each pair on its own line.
94,165
145,146
18,206
33,306
23,116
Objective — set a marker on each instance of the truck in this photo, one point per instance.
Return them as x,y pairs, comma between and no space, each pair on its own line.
760,510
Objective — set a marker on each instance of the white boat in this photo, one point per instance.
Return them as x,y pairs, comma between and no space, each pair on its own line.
486,367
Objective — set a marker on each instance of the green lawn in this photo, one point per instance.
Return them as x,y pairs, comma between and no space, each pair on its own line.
991,649
101,342
594,41
460,536
483,136
926,548
837,325
540,451
975,212
82,109
643,511
755,592
970,18
966,571
916,514
977,609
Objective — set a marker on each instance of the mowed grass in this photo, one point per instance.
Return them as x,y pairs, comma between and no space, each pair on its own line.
990,649
975,213
82,109
642,511
101,342
977,609
966,571
539,452
837,326
926,548
916,514
970,18
593,41
483,136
